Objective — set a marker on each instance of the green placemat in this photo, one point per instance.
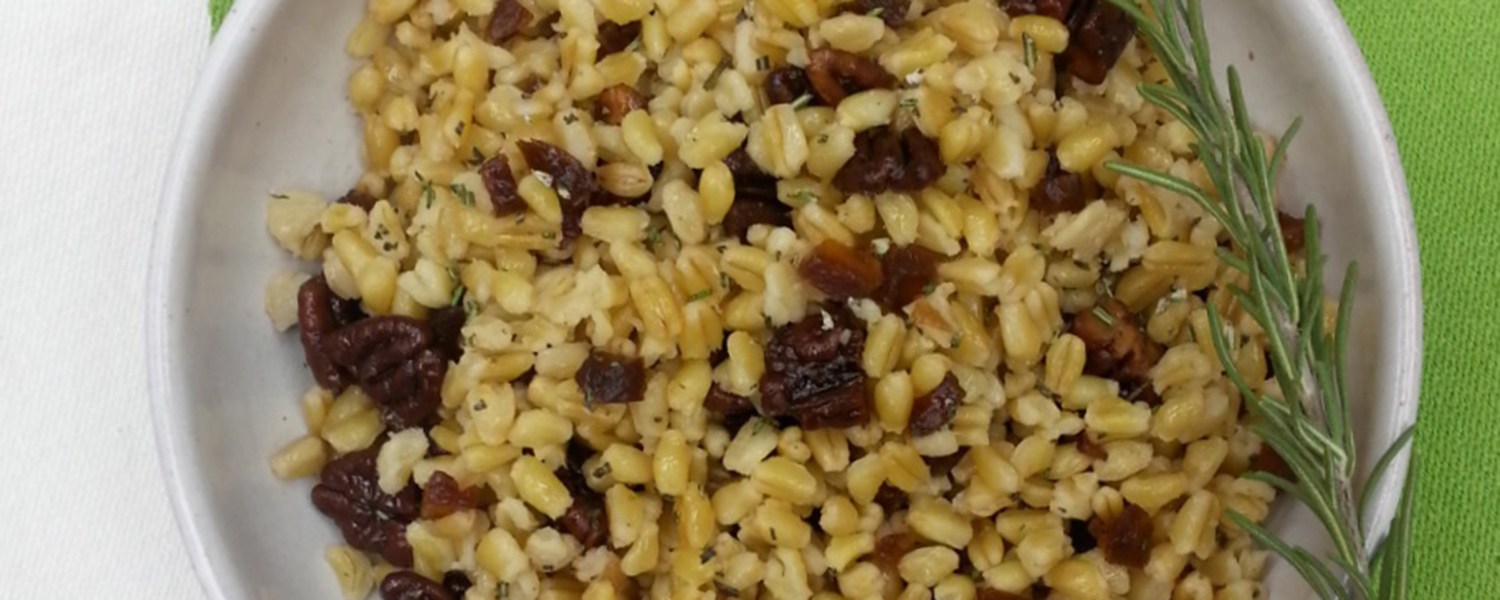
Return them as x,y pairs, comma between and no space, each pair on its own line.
1438,73
1436,67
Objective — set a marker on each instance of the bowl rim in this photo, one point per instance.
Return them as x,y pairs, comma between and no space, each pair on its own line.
227,58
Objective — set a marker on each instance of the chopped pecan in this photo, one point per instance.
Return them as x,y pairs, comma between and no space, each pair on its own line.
348,492
408,585
813,371
745,213
1100,32
317,318
392,359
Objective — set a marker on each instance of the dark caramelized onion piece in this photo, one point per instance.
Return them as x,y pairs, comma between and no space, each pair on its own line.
1293,231
935,409
890,548
610,378
841,272
360,198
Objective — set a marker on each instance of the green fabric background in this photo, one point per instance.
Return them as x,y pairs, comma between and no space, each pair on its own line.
1438,68
1435,63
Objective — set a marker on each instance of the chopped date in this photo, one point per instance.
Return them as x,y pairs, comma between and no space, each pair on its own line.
575,184
813,372
586,518
617,101
508,19
611,379
890,548
723,402
1269,461
834,74
505,196
932,411
885,159
408,585
1088,447
1059,190
317,319
943,464
1099,33
893,12
745,213
1057,9
392,359
785,84
909,271
841,272
360,198
1114,344
348,492
1125,539
989,593
443,497
614,37
1293,232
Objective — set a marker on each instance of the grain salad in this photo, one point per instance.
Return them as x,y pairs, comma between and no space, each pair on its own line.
790,299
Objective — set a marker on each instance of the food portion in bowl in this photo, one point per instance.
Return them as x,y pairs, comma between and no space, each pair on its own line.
780,299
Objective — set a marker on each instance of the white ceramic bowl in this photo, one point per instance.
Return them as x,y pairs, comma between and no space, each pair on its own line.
270,112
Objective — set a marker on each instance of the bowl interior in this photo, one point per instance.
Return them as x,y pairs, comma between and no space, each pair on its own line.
271,114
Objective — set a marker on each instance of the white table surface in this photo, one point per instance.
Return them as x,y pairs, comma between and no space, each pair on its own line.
91,93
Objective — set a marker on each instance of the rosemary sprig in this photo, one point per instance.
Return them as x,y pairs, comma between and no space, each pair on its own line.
1309,425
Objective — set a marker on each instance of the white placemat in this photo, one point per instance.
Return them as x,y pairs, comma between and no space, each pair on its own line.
91,97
